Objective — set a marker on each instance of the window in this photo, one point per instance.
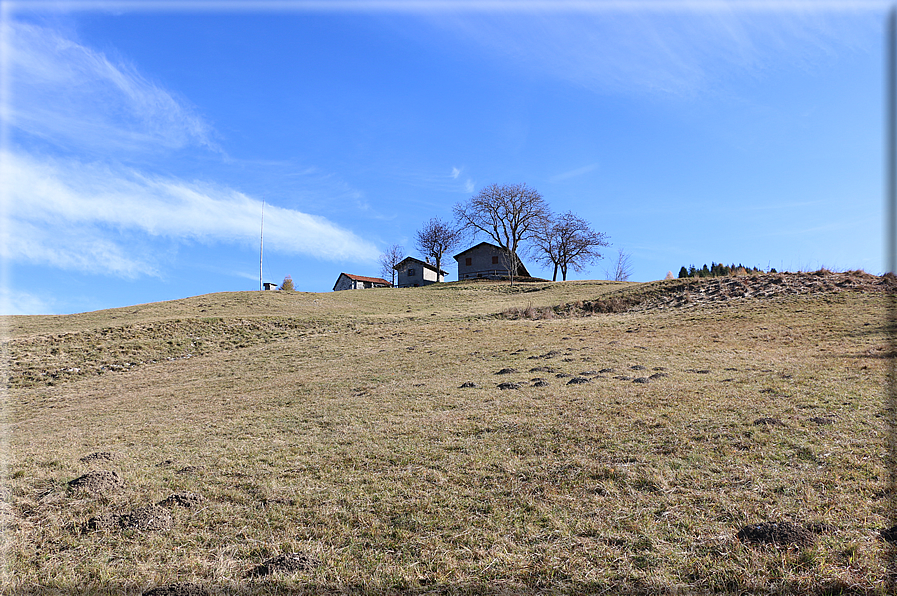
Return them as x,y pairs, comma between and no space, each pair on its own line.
495,260
468,261
411,273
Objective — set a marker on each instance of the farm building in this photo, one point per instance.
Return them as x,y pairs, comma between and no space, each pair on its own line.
486,261
414,272
347,281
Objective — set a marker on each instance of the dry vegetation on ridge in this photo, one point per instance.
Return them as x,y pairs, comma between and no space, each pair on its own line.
308,443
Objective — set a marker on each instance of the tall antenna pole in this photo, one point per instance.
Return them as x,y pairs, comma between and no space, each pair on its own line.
262,247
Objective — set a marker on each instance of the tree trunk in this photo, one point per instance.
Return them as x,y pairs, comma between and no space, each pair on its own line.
555,276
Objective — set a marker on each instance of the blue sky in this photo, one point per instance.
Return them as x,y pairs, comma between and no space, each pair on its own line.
140,139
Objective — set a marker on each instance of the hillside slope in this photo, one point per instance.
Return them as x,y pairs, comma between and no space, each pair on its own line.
567,438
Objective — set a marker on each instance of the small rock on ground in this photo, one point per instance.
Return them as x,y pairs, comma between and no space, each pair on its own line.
781,533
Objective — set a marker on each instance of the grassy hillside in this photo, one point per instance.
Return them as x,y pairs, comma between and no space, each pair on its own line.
337,427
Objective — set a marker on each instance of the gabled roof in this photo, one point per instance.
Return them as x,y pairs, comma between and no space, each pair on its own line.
521,268
375,280
429,266
458,256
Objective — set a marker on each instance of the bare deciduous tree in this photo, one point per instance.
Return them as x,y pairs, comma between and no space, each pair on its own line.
622,269
389,259
568,242
509,214
437,238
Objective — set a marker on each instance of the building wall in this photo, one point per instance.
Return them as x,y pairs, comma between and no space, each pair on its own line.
486,261
422,276
344,283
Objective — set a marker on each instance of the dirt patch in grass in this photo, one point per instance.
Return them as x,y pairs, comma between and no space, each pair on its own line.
184,589
150,518
99,456
780,533
182,499
286,563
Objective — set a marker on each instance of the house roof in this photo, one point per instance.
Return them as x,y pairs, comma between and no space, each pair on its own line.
429,266
458,256
521,268
376,280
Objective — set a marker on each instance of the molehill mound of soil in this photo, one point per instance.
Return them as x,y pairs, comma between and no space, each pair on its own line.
286,563
150,518
779,533
182,499
186,589
99,456
97,482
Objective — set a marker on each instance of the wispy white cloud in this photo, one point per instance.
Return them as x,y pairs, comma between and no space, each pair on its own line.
23,303
77,97
455,173
574,173
691,49
468,185
88,217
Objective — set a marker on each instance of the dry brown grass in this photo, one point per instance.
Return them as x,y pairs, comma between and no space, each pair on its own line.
337,429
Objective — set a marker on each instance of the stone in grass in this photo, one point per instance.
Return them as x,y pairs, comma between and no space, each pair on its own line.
504,386
286,563
185,589
778,533
182,499
578,381
97,482
506,371
98,456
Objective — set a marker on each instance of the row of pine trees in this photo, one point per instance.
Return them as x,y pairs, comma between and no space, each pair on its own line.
718,270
